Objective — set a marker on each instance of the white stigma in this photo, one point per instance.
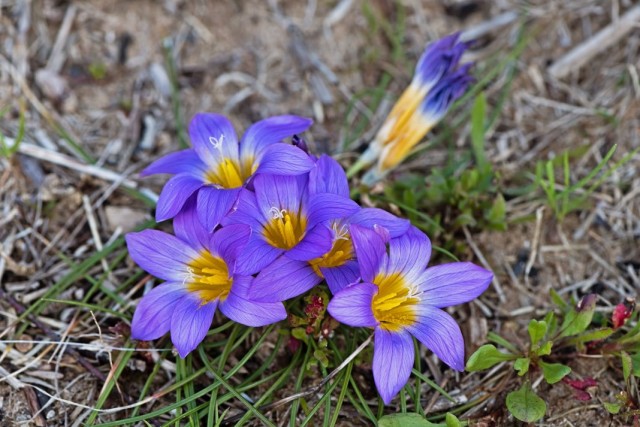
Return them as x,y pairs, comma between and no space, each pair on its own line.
216,142
340,233
277,213
189,276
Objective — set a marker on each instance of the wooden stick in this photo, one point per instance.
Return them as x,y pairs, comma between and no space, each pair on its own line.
584,52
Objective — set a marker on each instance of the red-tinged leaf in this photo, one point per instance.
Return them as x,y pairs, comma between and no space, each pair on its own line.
581,388
622,313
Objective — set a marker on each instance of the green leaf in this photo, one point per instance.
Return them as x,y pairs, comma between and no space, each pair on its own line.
627,364
596,335
522,365
557,299
493,337
451,420
553,372
299,333
487,356
537,329
545,349
612,408
406,420
477,131
552,323
578,320
525,405
635,359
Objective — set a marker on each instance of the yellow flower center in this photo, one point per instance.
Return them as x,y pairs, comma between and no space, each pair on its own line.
285,229
340,253
209,277
394,306
230,174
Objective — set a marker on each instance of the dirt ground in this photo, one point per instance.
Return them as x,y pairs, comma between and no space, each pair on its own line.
96,72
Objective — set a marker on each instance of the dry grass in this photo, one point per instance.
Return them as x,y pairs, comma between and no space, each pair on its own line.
99,103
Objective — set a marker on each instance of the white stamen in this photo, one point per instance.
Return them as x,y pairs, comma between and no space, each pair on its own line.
340,233
216,142
189,276
277,213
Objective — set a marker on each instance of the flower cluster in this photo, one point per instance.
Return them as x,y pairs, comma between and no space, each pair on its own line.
260,221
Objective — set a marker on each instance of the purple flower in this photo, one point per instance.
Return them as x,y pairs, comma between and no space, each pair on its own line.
200,273
285,217
288,277
217,167
401,298
437,83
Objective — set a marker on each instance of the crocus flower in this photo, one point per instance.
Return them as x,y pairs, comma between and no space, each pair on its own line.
401,298
438,81
200,273
287,277
217,167
285,217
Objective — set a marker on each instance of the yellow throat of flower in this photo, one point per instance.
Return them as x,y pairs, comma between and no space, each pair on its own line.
404,127
285,229
230,174
394,306
340,253
209,277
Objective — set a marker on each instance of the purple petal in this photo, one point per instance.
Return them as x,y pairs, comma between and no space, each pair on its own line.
213,138
241,309
269,131
393,354
314,244
328,177
283,279
152,318
352,305
410,254
340,277
185,162
280,192
214,204
190,323
372,217
256,256
438,59
187,227
326,206
370,251
174,195
284,159
161,254
453,283
441,334
246,212
229,241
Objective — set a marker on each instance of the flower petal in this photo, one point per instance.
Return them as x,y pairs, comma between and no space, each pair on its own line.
174,195
184,161
269,131
370,251
229,241
352,305
393,354
283,279
441,334
152,318
410,254
314,244
190,323
246,212
326,206
213,138
372,217
340,277
248,312
214,204
161,254
280,192
188,228
256,255
328,177
284,159
453,283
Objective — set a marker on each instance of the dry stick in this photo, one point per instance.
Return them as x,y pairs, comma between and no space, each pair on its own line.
584,52
534,243
56,59
311,390
20,309
483,261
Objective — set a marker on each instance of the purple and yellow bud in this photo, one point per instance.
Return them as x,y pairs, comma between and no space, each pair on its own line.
437,83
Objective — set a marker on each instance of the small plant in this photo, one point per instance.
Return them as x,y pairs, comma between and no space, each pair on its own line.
8,150
581,329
